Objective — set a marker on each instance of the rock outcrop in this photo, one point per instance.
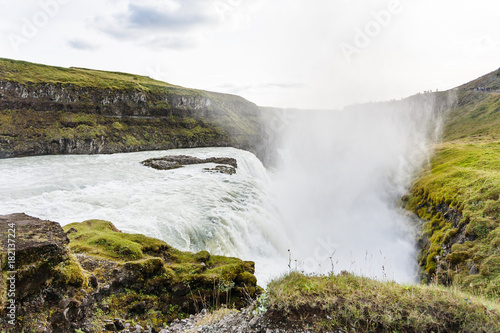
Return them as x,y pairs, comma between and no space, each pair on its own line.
178,161
94,277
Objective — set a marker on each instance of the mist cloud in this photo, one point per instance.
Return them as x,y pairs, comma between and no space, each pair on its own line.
340,181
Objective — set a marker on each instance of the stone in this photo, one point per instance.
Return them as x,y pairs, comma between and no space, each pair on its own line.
178,161
228,170
71,231
119,324
139,307
93,281
110,327
473,270
40,246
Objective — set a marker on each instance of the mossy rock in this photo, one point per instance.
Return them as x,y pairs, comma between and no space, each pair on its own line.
246,279
202,256
71,273
110,274
491,266
457,257
40,251
102,238
147,267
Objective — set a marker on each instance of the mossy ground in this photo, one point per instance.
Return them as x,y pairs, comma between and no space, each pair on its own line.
464,176
169,283
348,303
31,73
102,239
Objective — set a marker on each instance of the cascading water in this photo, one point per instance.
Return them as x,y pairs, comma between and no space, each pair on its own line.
189,209
340,181
332,200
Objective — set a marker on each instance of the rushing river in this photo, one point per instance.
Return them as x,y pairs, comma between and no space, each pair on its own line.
188,208
333,201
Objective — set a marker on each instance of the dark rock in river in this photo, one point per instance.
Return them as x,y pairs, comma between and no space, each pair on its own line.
221,169
178,161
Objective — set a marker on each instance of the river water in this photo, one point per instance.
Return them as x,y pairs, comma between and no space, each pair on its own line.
333,201
189,209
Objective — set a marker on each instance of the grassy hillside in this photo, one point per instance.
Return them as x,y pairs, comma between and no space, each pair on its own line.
45,132
458,195
347,303
55,110
29,73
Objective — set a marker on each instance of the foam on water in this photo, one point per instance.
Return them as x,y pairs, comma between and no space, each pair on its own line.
333,202
188,208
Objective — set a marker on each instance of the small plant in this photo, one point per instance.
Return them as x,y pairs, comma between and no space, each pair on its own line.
261,304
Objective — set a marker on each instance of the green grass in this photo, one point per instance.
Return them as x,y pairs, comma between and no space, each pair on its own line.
463,178
349,303
30,73
101,238
173,283
476,117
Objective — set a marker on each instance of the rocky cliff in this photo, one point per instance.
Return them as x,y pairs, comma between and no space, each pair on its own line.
52,110
91,277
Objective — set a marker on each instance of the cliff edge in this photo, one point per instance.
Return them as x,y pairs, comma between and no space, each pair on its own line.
55,110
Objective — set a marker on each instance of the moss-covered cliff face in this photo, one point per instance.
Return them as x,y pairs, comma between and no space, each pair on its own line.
90,276
53,110
458,194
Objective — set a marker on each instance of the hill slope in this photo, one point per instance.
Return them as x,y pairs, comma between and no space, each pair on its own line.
458,194
54,110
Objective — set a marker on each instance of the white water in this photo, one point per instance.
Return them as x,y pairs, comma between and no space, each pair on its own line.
335,195
340,182
188,208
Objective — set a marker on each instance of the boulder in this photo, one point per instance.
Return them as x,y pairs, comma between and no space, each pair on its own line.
178,161
40,247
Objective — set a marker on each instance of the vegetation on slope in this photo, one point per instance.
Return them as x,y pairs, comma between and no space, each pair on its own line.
99,274
348,303
29,74
54,110
194,273
24,132
458,195
476,117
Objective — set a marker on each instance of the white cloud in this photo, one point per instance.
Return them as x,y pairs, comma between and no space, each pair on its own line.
83,45
275,52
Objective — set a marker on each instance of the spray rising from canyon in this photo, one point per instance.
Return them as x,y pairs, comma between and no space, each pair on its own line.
340,180
333,199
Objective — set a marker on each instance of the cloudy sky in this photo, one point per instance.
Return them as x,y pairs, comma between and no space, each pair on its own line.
284,53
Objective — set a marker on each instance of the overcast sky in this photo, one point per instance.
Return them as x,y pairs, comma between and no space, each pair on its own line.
283,53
